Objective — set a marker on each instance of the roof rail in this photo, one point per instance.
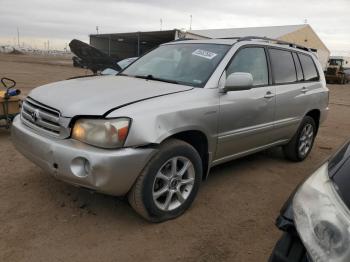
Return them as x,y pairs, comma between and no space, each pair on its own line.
280,42
182,39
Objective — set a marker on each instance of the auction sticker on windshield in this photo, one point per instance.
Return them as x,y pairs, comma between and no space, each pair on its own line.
205,54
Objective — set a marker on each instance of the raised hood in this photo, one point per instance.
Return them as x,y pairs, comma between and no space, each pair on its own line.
91,57
98,95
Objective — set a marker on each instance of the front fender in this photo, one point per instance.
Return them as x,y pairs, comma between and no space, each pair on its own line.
156,119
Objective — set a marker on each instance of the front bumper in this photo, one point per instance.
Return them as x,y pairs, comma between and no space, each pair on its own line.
108,171
333,77
289,248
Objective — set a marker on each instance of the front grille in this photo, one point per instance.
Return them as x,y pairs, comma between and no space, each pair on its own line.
41,117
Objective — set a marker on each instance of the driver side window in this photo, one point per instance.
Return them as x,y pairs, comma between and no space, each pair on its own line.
251,60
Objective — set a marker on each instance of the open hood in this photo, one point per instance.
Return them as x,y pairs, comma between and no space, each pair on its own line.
91,57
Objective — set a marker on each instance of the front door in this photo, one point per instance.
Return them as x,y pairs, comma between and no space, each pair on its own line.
246,117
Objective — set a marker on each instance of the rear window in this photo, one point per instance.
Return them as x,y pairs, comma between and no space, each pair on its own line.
300,75
309,68
283,67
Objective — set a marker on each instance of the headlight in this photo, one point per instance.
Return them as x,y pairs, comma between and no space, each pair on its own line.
105,133
322,219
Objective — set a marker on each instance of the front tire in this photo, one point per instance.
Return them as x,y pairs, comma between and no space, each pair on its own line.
169,183
301,144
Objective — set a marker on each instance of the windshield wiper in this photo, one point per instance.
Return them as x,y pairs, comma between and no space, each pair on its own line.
122,74
151,77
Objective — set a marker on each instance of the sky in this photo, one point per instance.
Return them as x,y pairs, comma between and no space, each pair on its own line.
60,21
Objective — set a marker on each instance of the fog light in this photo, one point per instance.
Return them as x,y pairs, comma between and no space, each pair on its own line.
80,167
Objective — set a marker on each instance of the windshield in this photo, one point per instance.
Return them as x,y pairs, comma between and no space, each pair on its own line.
188,64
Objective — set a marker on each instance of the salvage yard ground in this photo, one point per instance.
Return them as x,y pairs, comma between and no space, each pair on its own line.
232,219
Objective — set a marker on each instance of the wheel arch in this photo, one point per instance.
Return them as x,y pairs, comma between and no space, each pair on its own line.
315,114
199,141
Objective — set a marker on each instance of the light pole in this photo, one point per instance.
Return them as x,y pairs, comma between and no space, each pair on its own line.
18,37
190,22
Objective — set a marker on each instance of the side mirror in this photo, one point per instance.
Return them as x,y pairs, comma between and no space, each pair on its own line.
238,82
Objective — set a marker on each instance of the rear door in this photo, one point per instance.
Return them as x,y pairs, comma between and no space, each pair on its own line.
291,92
311,82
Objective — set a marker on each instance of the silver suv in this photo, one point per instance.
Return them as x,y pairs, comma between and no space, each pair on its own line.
154,131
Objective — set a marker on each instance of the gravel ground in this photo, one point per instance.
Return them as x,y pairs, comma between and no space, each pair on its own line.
232,219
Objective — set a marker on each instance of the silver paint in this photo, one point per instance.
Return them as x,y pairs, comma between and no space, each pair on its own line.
234,123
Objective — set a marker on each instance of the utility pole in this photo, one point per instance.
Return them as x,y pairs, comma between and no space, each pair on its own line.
97,29
190,22
48,45
161,24
18,37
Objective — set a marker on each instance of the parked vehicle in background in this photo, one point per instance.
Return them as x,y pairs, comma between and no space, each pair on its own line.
316,218
123,63
347,74
77,62
91,58
338,70
153,131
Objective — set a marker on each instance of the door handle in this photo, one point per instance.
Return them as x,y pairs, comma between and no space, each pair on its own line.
304,90
269,95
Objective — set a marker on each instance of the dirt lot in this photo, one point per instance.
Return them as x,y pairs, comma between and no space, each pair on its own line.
42,219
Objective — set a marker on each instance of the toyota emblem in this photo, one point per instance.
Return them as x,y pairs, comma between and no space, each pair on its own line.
35,115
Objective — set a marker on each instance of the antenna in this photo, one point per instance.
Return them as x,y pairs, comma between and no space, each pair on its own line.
161,24
190,22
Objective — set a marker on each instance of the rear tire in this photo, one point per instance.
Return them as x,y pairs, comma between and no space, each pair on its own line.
301,144
169,183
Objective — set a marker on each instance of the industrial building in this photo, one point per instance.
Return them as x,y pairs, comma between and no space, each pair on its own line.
124,45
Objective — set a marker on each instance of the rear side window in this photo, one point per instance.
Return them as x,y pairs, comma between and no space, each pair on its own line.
300,75
309,68
283,67
251,60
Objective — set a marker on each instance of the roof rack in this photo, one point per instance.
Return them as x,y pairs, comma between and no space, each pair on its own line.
183,39
279,42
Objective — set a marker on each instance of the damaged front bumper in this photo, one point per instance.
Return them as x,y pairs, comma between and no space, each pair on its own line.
107,171
289,248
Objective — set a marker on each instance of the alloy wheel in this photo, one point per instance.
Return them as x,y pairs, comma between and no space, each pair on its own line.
306,140
173,183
